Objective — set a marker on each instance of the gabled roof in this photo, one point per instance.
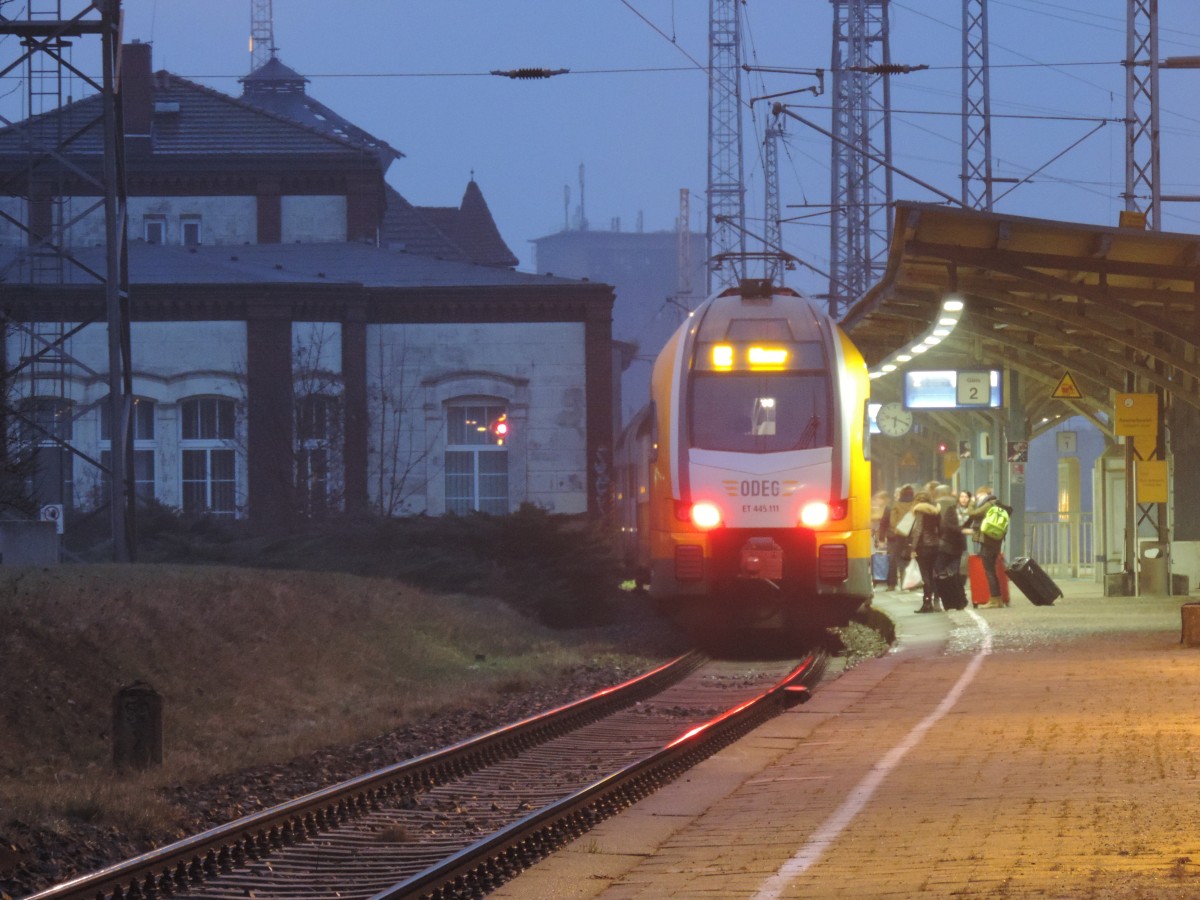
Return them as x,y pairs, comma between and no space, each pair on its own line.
467,232
405,228
188,119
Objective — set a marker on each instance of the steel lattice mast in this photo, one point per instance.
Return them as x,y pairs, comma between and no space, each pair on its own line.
861,155
726,197
262,33
772,228
55,166
976,109
1143,184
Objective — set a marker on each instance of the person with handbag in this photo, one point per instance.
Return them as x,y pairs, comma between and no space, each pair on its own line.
894,527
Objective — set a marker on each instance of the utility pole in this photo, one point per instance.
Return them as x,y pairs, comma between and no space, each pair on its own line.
861,151
976,109
726,197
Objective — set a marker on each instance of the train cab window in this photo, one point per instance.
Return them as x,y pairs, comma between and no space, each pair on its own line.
760,414
763,419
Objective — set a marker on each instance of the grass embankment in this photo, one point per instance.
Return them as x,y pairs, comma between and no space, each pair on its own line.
253,666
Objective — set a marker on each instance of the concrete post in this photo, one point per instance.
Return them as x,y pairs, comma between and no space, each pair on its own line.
137,727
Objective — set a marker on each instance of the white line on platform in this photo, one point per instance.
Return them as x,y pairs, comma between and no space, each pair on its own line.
829,831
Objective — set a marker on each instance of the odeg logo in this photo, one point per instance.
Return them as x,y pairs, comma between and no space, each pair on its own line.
52,512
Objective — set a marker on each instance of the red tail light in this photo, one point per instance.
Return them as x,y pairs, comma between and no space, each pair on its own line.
703,515
706,515
817,513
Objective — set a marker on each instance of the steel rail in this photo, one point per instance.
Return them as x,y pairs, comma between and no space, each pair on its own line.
200,857
488,863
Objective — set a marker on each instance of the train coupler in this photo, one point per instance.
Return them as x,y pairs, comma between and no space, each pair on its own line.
762,559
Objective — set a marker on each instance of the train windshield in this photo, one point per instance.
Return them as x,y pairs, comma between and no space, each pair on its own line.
757,413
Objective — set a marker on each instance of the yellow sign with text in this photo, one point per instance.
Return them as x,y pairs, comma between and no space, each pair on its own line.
1152,481
1136,415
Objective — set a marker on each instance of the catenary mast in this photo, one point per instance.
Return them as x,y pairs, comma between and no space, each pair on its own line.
861,152
726,198
976,109
772,227
1143,184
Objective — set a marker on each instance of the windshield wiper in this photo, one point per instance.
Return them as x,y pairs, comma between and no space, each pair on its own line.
809,434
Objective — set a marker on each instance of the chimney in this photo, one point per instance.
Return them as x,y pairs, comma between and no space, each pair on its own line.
137,94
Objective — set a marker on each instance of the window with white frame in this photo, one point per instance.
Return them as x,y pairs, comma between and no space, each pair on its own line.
144,446
189,231
476,464
209,475
316,426
154,229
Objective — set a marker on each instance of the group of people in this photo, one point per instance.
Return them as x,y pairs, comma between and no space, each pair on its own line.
932,526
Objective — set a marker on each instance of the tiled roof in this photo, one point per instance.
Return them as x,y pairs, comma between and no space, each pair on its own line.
191,119
465,232
406,228
327,263
280,89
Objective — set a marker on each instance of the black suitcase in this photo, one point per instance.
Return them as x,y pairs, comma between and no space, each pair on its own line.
1034,583
950,590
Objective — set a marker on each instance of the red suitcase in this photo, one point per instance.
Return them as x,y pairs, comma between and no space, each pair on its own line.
980,591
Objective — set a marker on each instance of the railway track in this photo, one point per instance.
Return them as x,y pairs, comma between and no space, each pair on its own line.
460,821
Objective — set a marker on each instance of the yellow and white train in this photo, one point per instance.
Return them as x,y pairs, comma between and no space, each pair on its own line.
743,491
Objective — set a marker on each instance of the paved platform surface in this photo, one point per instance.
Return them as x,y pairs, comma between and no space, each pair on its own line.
1019,752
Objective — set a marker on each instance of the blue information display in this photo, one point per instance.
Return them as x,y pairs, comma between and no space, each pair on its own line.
950,389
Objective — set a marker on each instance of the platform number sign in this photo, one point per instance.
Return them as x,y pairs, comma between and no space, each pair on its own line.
973,389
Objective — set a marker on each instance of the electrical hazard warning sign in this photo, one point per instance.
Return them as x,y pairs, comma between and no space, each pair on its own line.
1067,389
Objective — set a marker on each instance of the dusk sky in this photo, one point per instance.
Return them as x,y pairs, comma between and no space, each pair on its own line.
633,110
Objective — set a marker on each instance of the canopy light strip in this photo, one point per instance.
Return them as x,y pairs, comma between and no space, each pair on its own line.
943,325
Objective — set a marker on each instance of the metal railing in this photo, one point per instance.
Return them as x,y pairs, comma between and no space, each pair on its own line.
1061,542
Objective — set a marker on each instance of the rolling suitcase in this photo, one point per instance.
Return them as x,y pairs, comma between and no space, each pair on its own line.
879,567
979,586
1034,582
950,590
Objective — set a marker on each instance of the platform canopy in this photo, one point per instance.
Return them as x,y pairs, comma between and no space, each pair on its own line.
1043,298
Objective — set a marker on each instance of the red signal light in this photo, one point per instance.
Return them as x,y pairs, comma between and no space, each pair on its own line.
499,428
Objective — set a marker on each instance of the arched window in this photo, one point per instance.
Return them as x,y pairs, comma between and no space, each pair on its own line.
476,457
144,445
208,458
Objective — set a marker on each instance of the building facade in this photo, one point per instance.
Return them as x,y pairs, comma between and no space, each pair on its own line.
304,340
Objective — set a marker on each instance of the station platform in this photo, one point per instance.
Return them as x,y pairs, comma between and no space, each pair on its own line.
1018,752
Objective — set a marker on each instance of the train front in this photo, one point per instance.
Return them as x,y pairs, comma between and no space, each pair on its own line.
761,478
